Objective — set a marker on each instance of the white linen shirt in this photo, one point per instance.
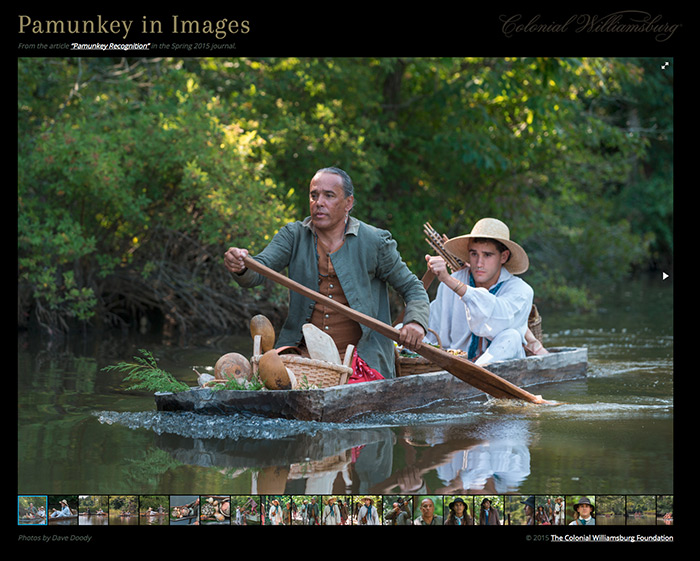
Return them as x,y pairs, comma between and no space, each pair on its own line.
479,312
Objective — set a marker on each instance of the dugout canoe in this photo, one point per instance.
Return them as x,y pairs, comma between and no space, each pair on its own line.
343,403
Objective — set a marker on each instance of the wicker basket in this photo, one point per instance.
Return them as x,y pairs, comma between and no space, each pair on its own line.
408,365
311,372
534,322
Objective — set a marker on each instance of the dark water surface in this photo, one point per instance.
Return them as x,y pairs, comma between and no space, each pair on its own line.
81,432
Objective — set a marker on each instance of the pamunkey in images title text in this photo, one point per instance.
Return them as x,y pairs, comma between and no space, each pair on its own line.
97,25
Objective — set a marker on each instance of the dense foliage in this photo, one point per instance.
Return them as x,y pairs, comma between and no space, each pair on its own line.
135,175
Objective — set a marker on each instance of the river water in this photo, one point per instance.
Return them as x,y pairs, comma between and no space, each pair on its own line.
81,432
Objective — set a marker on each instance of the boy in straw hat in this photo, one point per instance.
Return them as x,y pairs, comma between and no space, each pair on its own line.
484,307
331,513
368,513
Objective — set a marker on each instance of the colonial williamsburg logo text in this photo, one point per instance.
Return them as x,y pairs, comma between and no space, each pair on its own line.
628,21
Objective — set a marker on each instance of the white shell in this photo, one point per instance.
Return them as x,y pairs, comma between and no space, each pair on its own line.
204,378
292,378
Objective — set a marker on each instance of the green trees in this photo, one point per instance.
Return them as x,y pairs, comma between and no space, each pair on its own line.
136,175
130,176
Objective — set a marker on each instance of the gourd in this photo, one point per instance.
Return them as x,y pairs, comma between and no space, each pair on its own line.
274,373
233,366
260,325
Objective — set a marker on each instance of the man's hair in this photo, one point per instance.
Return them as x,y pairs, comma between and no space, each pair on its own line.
348,187
501,247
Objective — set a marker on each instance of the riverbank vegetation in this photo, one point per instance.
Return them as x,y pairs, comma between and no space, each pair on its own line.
135,175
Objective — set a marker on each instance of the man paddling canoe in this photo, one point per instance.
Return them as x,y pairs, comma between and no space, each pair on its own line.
483,308
347,260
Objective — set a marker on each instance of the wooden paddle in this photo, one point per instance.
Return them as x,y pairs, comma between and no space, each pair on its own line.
463,369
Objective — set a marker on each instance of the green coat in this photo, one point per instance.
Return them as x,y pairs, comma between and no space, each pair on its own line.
366,265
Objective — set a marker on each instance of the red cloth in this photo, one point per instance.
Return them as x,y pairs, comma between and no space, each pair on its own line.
361,371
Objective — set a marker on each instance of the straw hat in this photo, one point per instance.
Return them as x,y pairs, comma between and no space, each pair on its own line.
491,228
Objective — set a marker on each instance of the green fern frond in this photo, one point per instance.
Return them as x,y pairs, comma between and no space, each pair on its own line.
147,375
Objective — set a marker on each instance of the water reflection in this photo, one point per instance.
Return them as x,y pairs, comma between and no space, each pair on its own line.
60,522
123,519
94,520
316,458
